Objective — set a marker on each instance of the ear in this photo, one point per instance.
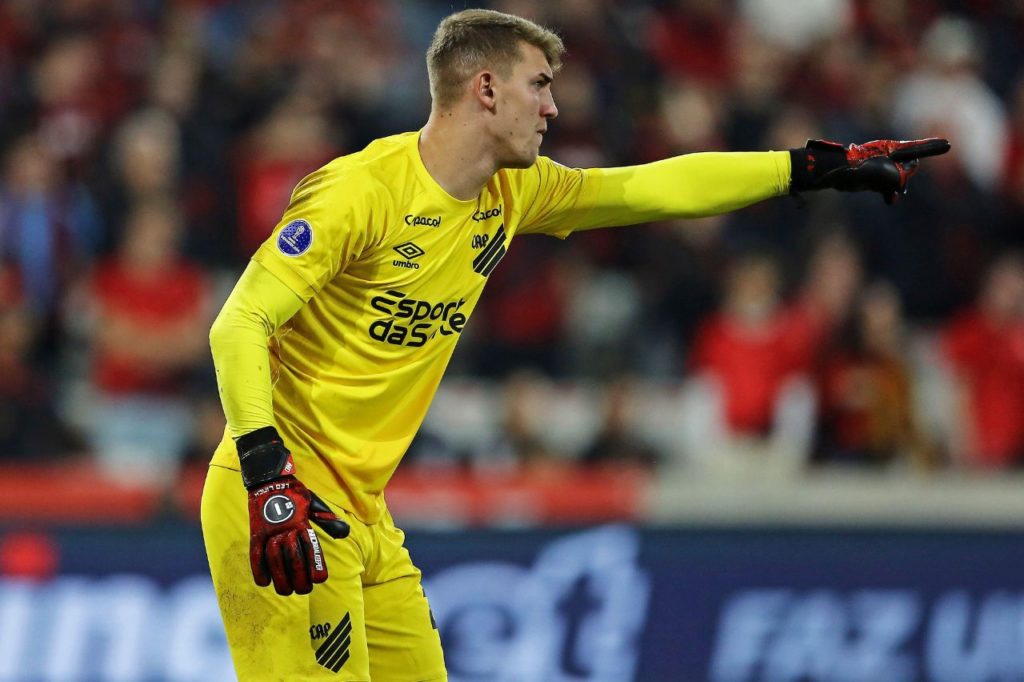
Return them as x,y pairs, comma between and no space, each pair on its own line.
483,89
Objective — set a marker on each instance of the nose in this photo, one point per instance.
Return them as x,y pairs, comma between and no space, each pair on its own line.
548,109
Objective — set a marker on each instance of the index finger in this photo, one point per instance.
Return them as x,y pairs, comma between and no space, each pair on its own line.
919,149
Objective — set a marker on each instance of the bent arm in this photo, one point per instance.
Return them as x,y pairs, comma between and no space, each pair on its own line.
688,186
259,304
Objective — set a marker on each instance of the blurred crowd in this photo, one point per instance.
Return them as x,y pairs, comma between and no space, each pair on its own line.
148,146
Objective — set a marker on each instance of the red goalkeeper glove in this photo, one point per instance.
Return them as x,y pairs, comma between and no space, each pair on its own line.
283,547
883,166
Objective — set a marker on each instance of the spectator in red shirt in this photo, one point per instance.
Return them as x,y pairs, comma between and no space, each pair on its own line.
150,311
750,346
271,161
750,393
985,348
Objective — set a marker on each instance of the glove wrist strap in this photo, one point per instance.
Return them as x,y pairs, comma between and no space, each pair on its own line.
809,165
263,457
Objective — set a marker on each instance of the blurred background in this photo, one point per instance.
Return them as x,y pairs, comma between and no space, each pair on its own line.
784,444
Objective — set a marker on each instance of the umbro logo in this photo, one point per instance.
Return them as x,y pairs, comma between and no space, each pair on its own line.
409,252
487,259
334,651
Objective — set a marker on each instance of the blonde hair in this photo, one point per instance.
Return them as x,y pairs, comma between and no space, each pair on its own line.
475,38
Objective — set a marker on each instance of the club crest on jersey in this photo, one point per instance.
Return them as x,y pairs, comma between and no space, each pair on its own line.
333,652
295,238
493,250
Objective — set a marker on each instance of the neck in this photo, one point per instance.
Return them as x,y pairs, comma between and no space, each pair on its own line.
456,154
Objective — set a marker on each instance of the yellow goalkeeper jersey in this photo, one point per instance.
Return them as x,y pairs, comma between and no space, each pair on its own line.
391,267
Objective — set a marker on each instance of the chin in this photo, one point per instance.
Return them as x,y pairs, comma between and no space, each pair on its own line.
522,161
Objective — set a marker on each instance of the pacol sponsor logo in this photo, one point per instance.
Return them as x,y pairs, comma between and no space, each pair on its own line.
428,221
480,216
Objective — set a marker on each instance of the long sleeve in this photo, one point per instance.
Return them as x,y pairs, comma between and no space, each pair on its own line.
688,186
259,304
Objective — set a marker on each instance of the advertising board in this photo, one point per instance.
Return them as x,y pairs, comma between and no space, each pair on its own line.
605,604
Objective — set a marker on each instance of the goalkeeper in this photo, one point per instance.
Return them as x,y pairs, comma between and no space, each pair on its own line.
333,342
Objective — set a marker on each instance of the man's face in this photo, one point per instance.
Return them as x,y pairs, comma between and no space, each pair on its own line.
523,107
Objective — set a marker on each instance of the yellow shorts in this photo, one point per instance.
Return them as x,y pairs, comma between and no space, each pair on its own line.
369,621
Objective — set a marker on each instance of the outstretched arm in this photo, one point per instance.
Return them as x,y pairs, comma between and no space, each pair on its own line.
689,186
562,200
